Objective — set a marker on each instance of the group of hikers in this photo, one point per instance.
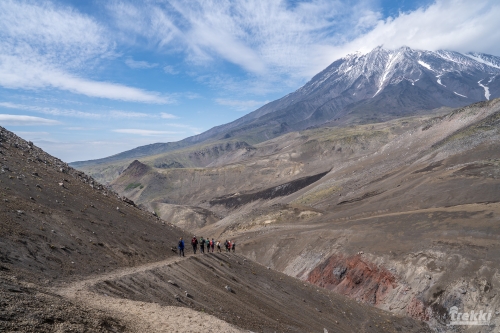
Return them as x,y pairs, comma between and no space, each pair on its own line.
209,244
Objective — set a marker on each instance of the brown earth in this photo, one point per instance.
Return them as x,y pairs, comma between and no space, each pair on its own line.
419,197
77,257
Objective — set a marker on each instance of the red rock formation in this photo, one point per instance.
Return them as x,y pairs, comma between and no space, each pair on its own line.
354,277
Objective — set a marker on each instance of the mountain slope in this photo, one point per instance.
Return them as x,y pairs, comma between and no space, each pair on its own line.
411,227
67,244
358,88
406,217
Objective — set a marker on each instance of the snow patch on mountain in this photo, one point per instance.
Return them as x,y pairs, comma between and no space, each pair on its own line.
439,80
486,90
480,58
426,65
459,94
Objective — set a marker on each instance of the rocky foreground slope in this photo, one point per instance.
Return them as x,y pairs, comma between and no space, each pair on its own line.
76,257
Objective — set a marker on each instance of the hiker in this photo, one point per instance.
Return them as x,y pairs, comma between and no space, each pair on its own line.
202,245
233,245
226,244
218,246
212,245
208,244
229,244
194,243
180,246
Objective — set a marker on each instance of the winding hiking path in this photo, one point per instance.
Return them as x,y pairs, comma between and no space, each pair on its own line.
143,316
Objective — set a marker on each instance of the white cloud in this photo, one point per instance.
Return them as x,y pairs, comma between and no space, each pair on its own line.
20,120
51,111
44,46
458,25
267,38
241,105
170,70
139,64
113,114
279,41
29,135
29,73
143,132
127,114
165,115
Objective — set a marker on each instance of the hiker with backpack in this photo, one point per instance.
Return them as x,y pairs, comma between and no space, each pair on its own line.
202,245
208,244
194,243
218,246
233,245
180,246
226,244
229,244
212,245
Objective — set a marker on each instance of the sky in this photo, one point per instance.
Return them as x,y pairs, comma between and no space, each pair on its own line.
89,79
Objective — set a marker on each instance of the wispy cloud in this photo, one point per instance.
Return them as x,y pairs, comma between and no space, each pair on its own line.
241,105
165,115
114,114
20,120
139,64
266,38
127,114
21,72
170,70
143,132
44,46
50,111
290,41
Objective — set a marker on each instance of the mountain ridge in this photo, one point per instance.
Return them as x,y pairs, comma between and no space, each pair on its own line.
359,88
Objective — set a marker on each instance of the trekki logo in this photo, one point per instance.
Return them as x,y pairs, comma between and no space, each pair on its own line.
469,318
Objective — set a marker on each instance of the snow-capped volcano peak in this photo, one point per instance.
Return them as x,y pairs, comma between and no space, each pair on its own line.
380,85
368,75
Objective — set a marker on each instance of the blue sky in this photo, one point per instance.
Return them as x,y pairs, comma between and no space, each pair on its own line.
88,79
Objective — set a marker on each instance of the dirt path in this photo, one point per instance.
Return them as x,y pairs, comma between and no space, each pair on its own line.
141,316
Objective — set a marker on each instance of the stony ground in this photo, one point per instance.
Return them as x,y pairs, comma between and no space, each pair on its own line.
77,257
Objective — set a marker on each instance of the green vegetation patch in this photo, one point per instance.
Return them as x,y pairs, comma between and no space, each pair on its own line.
131,186
314,197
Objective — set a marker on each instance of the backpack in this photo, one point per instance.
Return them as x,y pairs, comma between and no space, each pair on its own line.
211,243
193,241
180,244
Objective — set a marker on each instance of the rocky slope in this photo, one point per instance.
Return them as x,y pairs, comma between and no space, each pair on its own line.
67,243
405,217
411,227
